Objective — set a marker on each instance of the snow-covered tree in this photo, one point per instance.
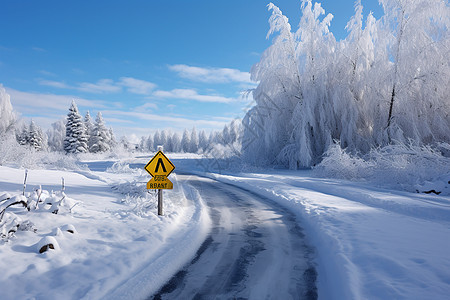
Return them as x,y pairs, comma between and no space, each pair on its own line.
36,138
7,115
387,82
149,143
100,137
202,140
125,143
22,135
76,138
56,136
417,42
156,140
268,124
89,124
112,142
194,141
176,142
186,142
163,139
142,144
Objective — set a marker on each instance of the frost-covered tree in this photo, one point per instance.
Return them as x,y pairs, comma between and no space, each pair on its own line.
268,124
176,142
163,139
89,124
235,130
202,140
416,42
149,143
387,82
56,135
76,138
125,143
142,146
22,135
7,115
194,141
156,140
185,142
112,142
36,138
100,136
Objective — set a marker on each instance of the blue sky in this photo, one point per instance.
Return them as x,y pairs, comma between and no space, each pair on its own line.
145,65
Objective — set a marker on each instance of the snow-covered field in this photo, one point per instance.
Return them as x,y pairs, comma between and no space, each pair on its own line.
120,249
371,243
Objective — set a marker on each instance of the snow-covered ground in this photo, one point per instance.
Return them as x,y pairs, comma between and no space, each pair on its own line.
120,249
371,243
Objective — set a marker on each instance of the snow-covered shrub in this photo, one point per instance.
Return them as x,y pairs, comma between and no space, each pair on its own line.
47,243
13,154
121,167
338,163
404,166
69,228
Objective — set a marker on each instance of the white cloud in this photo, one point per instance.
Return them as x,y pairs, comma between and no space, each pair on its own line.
211,75
173,121
38,103
146,107
57,84
137,86
133,85
192,95
102,86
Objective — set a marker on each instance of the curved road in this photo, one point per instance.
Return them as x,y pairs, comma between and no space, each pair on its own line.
256,250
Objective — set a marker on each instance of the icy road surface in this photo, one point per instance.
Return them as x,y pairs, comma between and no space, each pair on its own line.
256,250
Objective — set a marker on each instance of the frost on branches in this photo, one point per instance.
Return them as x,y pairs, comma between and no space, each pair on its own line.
386,83
100,137
7,116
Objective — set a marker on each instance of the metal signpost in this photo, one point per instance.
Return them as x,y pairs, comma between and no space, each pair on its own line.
159,167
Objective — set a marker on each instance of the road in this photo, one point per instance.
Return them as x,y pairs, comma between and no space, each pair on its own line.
256,250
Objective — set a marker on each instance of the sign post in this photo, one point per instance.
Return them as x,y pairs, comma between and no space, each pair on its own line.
159,167
160,202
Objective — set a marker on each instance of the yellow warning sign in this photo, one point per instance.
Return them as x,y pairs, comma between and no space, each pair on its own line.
159,165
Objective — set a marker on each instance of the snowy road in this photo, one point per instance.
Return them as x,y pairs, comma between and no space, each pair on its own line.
255,250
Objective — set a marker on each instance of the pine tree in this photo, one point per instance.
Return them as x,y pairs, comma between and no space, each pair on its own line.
163,140
194,141
176,143
156,140
76,138
202,140
89,124
111,139
22,136
36,137
100,136
185,142
149,144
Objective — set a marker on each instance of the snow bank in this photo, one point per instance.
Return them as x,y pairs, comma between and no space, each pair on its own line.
371,243
405,167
